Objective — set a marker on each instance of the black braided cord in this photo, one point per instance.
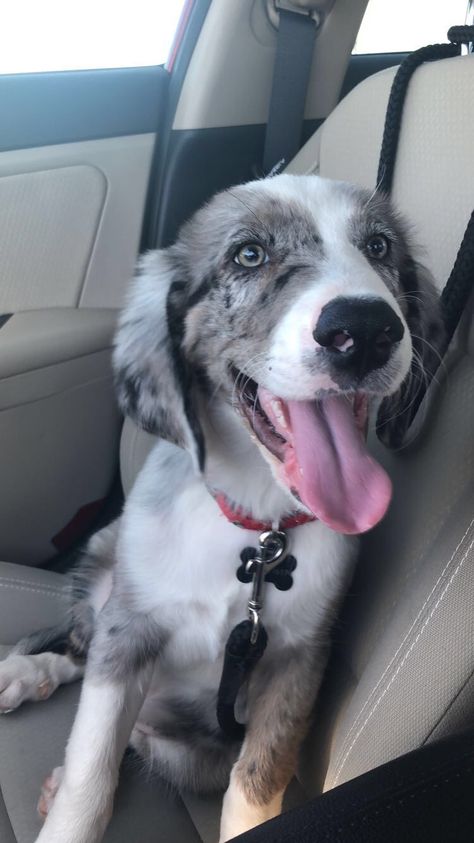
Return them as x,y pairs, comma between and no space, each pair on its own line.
459,286
460,283
393,117
461,34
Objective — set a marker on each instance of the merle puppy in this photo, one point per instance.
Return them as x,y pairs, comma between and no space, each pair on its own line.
255,348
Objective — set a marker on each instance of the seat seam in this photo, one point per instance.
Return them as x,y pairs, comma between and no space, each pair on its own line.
399,648
49,592
19,581
404,640
448,707
406,656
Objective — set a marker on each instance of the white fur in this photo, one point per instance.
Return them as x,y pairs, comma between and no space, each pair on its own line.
196,565
35,677
240,815
346,272
83,804
190,582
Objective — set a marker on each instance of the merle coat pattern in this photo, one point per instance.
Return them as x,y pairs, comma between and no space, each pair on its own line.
220,319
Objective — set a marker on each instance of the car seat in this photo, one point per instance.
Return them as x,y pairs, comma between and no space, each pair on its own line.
401,673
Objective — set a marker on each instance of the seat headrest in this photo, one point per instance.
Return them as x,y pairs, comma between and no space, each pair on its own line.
434,176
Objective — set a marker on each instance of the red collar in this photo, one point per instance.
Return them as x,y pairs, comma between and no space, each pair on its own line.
236,516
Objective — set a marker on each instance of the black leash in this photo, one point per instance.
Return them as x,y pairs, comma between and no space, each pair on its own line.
247,641
460,283
240,658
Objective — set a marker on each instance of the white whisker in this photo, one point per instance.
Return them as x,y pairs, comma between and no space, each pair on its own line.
430,345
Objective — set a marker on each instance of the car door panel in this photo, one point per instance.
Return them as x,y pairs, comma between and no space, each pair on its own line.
74,172
70,216
49,220
57,413
71,219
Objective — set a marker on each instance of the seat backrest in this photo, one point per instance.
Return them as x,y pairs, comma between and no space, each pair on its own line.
402,670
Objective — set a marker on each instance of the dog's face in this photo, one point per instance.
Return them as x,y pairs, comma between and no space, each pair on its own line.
295,300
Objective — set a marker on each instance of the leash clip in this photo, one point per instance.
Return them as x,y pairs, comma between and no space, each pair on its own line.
247,641
272,546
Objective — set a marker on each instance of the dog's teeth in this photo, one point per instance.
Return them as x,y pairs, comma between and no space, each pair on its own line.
278,413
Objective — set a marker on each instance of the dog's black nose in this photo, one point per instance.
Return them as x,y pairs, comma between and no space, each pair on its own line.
358,333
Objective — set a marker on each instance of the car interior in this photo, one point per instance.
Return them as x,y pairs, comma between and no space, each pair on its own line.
97,166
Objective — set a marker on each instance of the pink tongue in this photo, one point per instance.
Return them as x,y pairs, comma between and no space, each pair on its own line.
331,469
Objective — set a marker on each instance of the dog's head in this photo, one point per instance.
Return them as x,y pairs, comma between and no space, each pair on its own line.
294,300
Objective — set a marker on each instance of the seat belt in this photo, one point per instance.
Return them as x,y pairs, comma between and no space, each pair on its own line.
294,54
460,284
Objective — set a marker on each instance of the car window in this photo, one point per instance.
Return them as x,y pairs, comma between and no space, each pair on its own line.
407,24
86,34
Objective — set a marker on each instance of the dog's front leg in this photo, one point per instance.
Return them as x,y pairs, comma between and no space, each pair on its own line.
281,698
118,674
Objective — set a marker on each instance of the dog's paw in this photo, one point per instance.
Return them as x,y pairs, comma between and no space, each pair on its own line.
49,790
21,679
239,815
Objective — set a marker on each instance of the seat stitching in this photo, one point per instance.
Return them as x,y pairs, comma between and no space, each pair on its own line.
400,647
407,654
49,593
34,584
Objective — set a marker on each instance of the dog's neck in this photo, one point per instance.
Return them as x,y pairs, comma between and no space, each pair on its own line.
236,468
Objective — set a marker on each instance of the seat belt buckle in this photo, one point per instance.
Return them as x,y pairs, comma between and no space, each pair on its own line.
300,8
315,9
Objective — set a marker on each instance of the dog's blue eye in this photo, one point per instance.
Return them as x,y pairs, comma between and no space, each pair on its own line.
251,255
377,246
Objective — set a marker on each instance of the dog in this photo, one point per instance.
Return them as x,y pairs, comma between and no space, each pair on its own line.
288,314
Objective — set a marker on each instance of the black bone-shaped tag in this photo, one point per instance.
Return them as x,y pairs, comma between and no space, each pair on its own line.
280,575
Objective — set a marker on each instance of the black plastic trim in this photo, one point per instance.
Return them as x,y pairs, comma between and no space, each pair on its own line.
41,109
199,163
202,161
309,128
189,166
155,208
4,317
363,65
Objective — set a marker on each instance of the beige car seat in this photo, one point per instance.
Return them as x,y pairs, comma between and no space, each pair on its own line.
402,671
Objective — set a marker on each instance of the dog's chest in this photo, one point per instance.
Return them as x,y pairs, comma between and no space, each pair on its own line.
192,586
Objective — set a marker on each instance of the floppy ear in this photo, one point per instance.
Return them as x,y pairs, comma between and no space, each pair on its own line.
421,303
153,380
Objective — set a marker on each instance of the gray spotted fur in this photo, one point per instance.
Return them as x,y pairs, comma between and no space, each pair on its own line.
191,314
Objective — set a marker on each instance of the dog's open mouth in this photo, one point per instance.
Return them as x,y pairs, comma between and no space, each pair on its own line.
321,452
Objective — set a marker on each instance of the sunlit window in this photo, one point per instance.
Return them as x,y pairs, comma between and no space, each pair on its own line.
42,35
405,25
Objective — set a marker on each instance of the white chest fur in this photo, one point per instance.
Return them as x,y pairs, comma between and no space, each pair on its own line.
180,557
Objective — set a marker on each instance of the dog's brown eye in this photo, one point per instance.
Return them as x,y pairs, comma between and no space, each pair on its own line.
251,255
377,246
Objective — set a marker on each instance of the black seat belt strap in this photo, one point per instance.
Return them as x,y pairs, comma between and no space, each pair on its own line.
294,54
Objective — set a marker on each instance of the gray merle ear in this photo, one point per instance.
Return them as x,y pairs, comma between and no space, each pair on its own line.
153,380
423,315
